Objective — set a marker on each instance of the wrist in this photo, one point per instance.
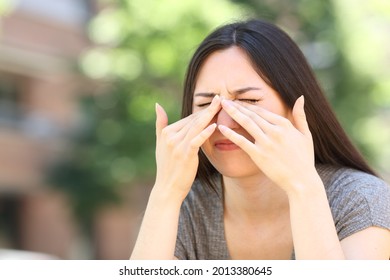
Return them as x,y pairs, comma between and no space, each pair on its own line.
165,197
308,187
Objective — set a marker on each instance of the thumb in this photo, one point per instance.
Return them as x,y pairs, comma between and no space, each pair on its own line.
300,116
161,119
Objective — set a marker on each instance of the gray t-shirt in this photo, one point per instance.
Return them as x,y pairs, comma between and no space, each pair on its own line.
357,201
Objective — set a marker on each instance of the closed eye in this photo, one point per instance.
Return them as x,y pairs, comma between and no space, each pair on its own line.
252,101
203,104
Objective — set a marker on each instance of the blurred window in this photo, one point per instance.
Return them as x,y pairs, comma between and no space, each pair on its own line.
9,205
13,112
67,11
10,101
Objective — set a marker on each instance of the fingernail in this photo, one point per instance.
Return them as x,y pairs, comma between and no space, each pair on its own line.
227,103
222,128
157,109
215,99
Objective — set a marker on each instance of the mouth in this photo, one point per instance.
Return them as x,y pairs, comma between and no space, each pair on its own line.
225,145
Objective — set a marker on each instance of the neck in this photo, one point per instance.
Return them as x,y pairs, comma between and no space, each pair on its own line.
253,199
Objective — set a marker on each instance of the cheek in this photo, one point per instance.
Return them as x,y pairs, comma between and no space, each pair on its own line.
206,149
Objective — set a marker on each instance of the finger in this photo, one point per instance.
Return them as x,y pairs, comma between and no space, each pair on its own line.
299,116
246,120
202,137
237,139
212,109
269,116
202,119
161,119
253,114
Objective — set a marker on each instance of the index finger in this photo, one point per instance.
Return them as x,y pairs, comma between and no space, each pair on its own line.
267,115
206,114
202,118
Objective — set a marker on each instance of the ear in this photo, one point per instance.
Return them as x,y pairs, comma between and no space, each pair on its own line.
299,116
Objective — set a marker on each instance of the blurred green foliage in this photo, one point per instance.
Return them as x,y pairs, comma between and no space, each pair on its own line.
143,46
6,6
140,59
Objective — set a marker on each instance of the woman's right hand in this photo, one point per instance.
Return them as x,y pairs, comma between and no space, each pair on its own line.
177,148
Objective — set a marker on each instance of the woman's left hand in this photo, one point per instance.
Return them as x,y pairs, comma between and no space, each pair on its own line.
283,152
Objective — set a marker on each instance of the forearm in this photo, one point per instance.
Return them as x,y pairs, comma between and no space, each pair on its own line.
157,236
313,229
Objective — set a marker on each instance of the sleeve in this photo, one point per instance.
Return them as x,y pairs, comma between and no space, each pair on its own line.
180,252
184,238
360,201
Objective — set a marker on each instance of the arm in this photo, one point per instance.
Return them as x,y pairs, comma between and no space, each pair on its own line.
315,236
312,225
157,235
370,243
177,162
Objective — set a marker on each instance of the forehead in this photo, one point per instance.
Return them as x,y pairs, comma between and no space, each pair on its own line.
230,68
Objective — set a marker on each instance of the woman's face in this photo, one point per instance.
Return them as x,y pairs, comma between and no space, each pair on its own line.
229,74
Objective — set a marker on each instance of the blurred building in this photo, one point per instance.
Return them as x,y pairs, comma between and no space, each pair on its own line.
40,42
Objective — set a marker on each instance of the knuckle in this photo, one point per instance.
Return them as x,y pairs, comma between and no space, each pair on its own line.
165,132
170,144
267,144
284,122
196,121
193,145
276,133
252,115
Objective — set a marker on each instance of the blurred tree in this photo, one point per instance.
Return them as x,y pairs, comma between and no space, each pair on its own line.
6,6
142,50
364,28
347,45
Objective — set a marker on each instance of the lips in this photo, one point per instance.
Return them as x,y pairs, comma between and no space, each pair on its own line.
225,145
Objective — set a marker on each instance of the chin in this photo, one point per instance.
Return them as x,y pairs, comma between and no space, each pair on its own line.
236,170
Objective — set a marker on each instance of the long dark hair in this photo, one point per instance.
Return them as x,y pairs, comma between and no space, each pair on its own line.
281,64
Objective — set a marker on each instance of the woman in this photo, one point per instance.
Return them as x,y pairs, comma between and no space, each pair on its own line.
259,167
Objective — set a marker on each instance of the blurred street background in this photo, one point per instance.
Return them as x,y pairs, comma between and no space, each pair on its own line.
78,84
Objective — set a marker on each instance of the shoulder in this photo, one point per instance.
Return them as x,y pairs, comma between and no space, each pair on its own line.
347,181
357,200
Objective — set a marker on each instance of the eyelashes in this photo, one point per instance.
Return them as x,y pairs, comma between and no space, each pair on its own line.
250,101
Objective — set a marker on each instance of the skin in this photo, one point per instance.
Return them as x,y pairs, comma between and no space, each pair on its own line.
255,118
273,196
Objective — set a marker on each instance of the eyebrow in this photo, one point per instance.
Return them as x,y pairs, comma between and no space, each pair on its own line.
235,92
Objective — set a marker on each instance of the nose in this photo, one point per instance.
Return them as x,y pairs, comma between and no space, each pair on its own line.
226,120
